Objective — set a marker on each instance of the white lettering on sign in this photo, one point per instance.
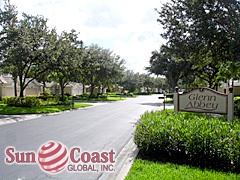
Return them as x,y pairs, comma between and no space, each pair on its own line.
203,100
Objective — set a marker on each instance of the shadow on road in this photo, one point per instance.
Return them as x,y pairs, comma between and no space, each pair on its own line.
156,104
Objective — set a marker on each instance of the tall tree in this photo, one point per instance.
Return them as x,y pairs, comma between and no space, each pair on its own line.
91,66
23,46
111,69
8,20
164,63
100,67
67,55
130,81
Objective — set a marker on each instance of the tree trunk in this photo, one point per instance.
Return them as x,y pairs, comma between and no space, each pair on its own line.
62,89
83,87
62,93
21,92
99,89
15,86
44,86
21,86
91,91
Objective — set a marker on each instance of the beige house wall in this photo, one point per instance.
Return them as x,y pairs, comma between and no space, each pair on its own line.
8,91
68,90
31,91
236,91
96,90
76,92
54,89
72,91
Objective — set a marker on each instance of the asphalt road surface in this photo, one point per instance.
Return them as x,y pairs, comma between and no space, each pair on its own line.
94,129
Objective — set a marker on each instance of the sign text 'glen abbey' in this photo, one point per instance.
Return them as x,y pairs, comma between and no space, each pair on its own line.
203,100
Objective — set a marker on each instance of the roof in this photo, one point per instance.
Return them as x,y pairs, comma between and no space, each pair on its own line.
7,79
51,84
2,80
237,83
70,84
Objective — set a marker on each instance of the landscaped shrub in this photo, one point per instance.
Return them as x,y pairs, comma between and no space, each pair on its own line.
64,103
130,94
86,95
93,95
46,92
58,98
188,138
43,97
32,96
142,93
53,99
68,94
103,96
22,101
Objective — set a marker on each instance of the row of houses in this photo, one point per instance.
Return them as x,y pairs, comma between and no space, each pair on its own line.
35,88
72,88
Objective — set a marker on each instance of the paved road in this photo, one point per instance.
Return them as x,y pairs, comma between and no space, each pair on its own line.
94,129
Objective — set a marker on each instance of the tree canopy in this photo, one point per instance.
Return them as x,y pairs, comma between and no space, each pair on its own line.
205,33
100,67
23,45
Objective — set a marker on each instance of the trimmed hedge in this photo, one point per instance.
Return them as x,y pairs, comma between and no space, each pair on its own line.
22,101
60,96
43,97
188,138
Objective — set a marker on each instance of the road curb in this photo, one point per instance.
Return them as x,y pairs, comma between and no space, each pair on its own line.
124,162
8,119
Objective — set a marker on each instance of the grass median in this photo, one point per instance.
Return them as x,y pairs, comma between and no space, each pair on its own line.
145,170
101,99
11,110
186,146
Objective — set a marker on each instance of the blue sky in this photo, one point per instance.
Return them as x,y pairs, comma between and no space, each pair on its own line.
127,27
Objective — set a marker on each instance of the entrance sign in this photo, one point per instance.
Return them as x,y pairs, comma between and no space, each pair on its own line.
204,100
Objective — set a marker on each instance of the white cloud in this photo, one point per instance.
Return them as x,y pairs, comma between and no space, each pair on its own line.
128,27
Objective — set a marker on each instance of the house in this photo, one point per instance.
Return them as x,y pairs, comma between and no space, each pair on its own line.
236,87
7,86
96,90
71,88
116,88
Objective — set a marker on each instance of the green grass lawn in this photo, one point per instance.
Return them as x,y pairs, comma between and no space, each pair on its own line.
102,99
123,96
10,110
143,169
168,101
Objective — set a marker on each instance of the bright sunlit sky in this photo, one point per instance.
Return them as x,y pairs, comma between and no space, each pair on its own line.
127,27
